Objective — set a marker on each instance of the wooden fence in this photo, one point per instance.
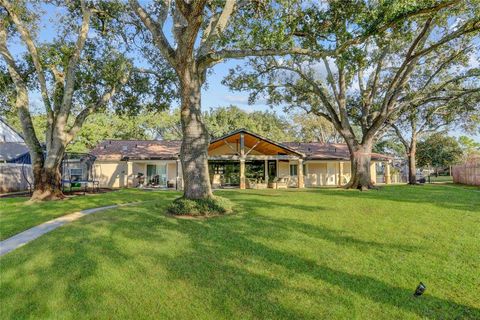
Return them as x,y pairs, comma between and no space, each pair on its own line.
13,177
468,172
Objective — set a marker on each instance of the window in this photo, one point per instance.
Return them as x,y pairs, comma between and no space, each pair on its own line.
76,174
293,169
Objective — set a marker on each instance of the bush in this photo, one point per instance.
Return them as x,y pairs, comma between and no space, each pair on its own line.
200,207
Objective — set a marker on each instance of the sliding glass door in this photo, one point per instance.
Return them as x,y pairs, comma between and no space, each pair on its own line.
157,175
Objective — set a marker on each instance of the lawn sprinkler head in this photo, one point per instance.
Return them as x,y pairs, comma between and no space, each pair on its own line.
420,290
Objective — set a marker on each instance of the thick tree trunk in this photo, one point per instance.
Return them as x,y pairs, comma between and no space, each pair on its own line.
47,185
412,162
47,176
360,158
195,141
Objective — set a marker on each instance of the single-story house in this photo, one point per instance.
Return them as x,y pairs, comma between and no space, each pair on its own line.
238,159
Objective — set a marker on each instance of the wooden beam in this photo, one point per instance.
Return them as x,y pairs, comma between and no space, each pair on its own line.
254,157
230,146
242,174
242,144
250,150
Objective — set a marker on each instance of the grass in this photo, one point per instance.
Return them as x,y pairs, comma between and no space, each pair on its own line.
17,215
442,179
312,254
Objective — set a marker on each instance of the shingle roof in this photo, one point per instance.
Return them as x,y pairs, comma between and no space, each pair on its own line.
115,150
334,151
12,150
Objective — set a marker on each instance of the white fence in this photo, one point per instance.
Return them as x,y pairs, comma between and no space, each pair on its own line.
468,172
13,177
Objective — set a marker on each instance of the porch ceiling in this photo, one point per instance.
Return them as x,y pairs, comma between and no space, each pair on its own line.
260,144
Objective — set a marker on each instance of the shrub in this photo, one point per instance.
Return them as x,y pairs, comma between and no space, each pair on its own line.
201,207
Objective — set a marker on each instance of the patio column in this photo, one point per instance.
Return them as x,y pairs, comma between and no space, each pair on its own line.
178,176
242,173
340,173
388,178
300,182
266,171
129,174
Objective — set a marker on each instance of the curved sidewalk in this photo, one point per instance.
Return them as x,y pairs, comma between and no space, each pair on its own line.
26,236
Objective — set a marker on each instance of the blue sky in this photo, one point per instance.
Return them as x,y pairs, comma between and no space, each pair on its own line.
215,94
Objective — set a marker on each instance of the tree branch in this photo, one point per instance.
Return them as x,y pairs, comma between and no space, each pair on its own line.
21,100
216,26
72,63
104,99
32,49
155,29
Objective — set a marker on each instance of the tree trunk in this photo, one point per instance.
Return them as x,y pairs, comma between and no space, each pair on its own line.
47,176
195,140
47,185
360,158
412,163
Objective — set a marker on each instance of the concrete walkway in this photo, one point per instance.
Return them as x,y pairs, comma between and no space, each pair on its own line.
26,236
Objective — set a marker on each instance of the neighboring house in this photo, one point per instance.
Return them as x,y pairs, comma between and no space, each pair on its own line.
14,175
12,144
239,159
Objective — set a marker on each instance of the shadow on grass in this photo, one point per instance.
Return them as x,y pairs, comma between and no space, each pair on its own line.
444,196
212,263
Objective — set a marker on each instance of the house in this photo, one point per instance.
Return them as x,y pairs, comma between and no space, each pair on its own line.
15,175
239,159
12,144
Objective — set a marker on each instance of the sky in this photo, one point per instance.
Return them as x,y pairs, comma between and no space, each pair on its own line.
214,94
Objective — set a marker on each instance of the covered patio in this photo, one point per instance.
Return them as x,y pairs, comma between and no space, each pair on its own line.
247,160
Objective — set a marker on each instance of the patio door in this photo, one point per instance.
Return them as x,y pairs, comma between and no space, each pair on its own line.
157,175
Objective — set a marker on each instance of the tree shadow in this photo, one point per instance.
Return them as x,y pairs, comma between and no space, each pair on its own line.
442,196
207,243
227,261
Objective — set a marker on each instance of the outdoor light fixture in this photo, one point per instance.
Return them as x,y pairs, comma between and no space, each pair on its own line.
420,290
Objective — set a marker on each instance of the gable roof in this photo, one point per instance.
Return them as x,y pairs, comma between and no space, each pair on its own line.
262,142
8,134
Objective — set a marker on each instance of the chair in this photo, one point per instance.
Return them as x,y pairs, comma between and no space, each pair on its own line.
282,183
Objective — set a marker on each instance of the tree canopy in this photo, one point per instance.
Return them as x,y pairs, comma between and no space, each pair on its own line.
438,150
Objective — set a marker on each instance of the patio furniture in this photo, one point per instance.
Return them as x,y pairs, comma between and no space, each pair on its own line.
282,183
256,184
272,185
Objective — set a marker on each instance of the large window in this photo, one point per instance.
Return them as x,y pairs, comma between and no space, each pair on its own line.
293,169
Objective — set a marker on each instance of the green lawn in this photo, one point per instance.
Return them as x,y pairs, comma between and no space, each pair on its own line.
16,214
312,254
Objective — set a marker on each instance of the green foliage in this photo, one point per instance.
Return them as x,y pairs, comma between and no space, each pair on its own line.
389,146
469,146
438,150
220,121
200,207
